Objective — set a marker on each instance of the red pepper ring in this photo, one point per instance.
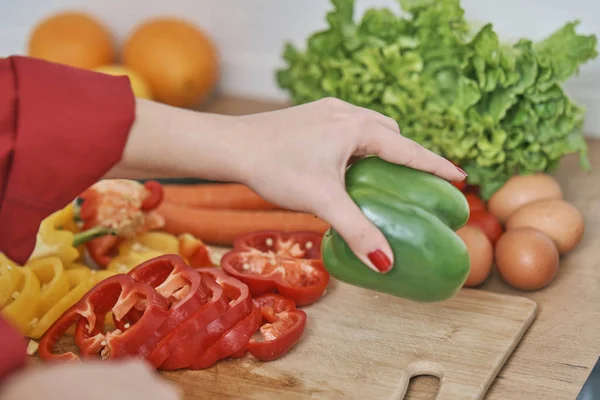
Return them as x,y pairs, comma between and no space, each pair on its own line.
54,333
197,334
303,281
186,336
155,196
304,245
231,342
181,286
283,328
119,294
114,293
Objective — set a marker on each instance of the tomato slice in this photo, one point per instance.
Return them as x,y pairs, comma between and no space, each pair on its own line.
304,245
487,223
302,280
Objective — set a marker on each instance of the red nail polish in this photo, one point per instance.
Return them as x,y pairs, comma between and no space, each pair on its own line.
380,260
461,171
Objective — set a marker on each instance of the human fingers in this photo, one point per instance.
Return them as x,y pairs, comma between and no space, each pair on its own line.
364,238
397,149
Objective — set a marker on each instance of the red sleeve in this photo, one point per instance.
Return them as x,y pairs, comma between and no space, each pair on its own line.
61,129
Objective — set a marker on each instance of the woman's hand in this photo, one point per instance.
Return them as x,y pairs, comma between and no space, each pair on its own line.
294,157
91,380
297,158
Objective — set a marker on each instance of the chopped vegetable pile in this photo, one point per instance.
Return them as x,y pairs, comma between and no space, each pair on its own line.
106,272
495,109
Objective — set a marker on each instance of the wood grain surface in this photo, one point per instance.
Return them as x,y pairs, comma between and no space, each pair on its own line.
360,344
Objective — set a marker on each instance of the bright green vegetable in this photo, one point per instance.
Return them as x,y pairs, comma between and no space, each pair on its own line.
418,213
492,108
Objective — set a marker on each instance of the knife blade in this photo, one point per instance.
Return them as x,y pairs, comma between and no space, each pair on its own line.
591,387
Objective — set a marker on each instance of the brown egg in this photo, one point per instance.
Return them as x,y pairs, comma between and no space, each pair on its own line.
526,259
521,190
558,219
481,254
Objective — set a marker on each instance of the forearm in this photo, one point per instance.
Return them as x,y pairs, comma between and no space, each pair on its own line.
167,142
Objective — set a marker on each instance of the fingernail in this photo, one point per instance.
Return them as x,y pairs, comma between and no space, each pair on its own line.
461,171
380,261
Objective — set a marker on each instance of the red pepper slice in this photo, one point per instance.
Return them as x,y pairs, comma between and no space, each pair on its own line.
102,249
119,294
155,196
284,326
305,245
182,287
302,280
197,334
231,342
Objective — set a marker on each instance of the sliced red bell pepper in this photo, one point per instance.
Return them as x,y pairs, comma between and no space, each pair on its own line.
302,280
197,334
305,245
283,327
231,342
102,249
155,195
117,294
124,208
183,288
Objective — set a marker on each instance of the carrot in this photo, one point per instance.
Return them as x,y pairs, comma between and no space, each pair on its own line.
231,196
221,227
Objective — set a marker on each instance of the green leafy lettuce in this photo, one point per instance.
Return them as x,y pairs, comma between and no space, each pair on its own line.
495,109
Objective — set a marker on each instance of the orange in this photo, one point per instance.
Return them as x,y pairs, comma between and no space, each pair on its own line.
72,38
175,58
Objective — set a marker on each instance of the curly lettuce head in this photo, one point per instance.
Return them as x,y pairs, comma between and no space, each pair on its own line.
496,109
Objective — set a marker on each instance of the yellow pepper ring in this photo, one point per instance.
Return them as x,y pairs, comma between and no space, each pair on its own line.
24,308
77,275
67,302
10,280
55,284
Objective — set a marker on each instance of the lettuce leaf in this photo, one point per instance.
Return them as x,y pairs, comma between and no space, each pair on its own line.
496,109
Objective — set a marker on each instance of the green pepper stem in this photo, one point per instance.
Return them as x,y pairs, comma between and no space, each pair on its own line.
90,234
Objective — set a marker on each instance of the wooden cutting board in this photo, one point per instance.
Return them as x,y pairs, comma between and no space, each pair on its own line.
359,344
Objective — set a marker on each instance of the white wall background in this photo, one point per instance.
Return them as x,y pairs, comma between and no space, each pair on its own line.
250,33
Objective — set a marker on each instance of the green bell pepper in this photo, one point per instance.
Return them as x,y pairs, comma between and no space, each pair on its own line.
418,213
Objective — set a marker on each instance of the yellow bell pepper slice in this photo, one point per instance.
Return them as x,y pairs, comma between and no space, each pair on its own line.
54,281
67,302
125,263
10,281
153,240
56,235
24,307
78,275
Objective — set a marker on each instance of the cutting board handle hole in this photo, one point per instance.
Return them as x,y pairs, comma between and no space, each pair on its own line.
420,368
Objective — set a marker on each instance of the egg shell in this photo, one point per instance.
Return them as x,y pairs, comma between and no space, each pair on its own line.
560,220
481,254
521,190
526,259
